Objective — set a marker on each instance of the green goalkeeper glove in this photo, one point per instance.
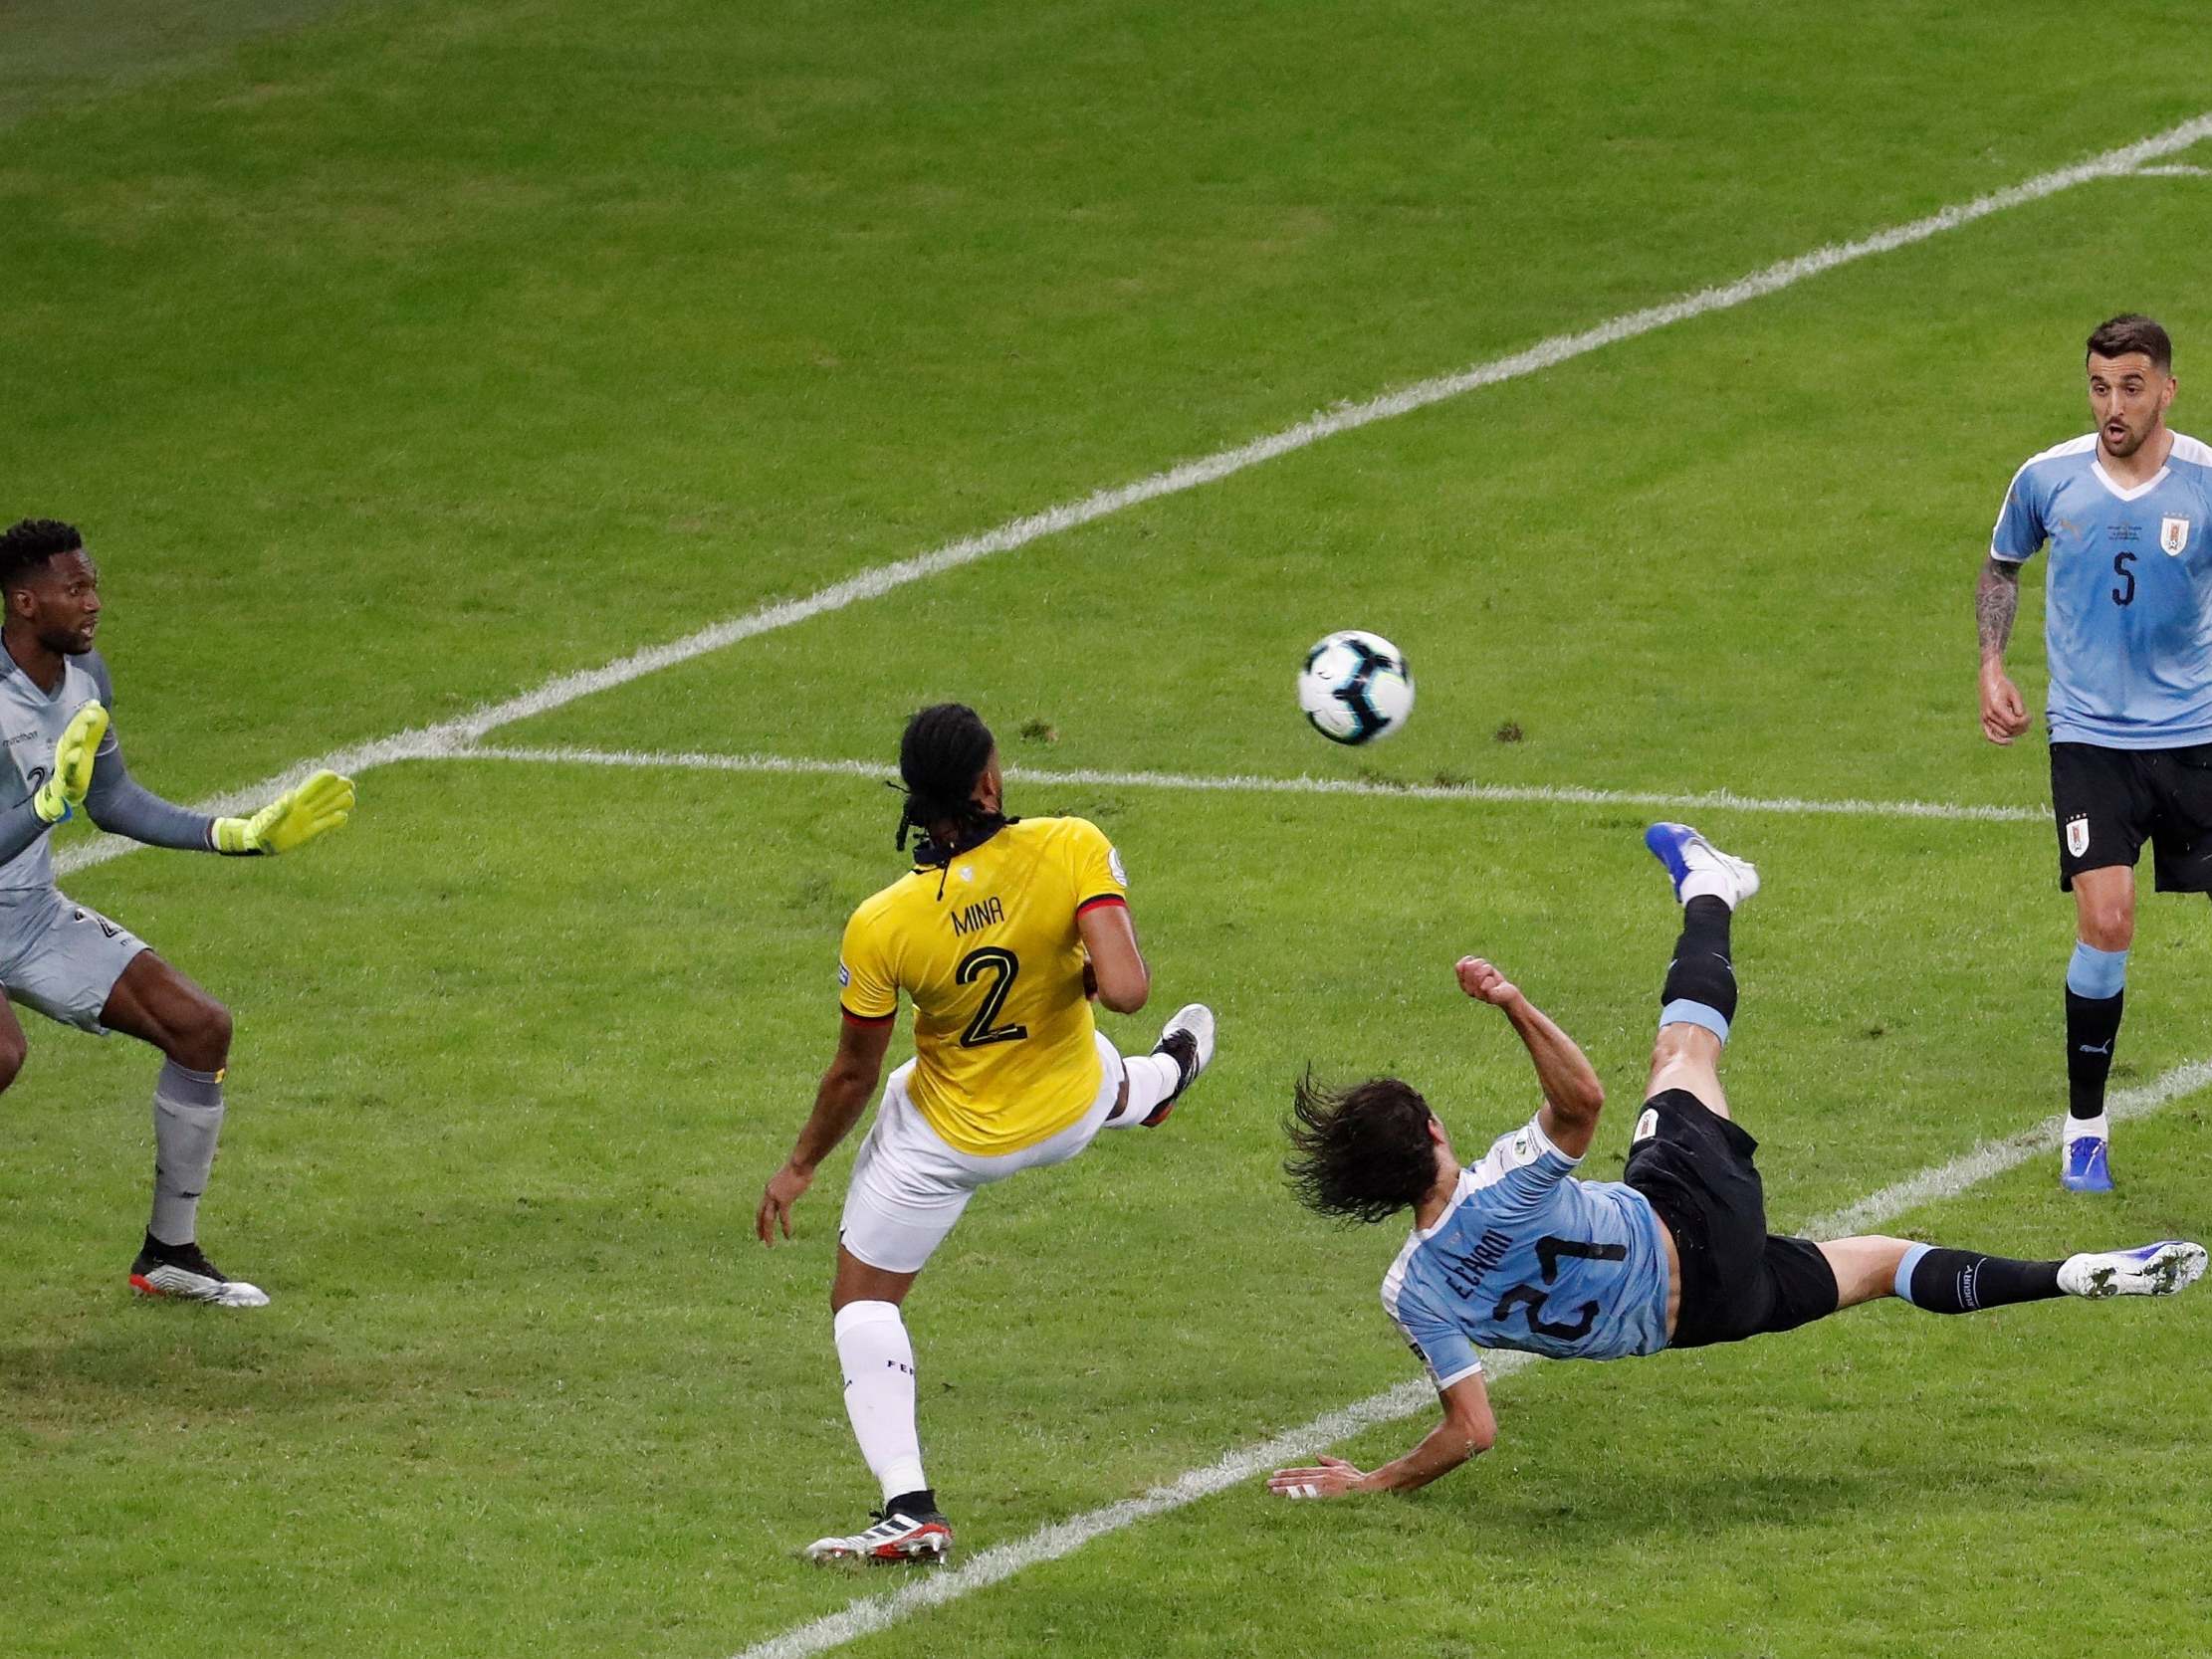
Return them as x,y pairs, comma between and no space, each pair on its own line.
64,791
292,819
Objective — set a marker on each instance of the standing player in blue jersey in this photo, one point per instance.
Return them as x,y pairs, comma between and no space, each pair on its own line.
1516,1252
2127,513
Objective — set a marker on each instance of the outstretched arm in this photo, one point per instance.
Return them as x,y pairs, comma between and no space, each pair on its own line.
120,805
1468,1429
839,1103
1996,603
1573,1096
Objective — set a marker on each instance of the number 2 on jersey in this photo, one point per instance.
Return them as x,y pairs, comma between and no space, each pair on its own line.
1531,1299
1003,965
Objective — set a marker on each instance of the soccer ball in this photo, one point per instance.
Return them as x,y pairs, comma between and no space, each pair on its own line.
1356,687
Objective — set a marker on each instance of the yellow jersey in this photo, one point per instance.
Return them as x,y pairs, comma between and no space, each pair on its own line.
1004,1047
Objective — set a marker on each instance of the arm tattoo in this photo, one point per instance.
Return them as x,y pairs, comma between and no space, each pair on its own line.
1996,601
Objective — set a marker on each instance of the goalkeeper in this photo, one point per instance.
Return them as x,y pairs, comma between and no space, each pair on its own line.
75,965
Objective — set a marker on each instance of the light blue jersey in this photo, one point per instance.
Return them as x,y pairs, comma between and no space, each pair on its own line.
2128,608
1526,1256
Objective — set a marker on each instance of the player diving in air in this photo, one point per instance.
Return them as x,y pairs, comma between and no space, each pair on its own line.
75,965
1516,1252
998,935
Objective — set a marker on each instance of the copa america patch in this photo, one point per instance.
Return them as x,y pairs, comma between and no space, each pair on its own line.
1113,863
2173,535
844,976
2078,834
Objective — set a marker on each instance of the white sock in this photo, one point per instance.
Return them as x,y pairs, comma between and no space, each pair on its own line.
2085,1129
1152,1078
1711,883
878,1362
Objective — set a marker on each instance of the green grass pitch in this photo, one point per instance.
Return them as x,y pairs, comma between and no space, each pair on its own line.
397,358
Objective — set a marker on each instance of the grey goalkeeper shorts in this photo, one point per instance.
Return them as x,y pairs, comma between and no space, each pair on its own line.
59,956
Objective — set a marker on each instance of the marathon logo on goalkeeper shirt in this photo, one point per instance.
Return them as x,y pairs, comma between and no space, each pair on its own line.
973,918
1465,1274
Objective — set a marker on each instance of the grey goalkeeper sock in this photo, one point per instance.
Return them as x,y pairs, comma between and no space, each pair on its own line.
187,1119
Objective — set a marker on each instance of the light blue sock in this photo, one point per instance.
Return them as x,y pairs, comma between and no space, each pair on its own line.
2096,973
1688,1011
1912,1260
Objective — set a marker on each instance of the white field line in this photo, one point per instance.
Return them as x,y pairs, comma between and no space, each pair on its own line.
433,740
1538,793
2178,170
1994,1157
932,1588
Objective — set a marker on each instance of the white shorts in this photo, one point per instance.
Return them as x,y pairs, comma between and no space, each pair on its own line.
909,1186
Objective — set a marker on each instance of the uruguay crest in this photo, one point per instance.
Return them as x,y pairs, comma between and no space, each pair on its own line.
2173,535
2077,835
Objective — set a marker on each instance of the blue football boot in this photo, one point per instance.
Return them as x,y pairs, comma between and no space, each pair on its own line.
1685,853
2085,1165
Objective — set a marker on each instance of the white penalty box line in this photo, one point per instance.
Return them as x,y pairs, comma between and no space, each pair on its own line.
434,741
933,1587
1542,795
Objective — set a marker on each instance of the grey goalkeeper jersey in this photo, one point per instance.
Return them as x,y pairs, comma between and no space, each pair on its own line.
31,724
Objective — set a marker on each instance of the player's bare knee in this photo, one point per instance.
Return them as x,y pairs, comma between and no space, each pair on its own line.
1688,1057
1866,1267
1683,1044
2108,925
202,1040
13,1051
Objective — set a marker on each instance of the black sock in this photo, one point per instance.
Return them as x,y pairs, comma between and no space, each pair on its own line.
2092,1025
915,1506
1960,1281
1700,972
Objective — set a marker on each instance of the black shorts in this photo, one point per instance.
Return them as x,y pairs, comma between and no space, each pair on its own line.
2110,801
1739,1280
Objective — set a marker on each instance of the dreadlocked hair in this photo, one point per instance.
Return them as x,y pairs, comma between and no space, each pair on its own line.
944,752
1361,1154
28,544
